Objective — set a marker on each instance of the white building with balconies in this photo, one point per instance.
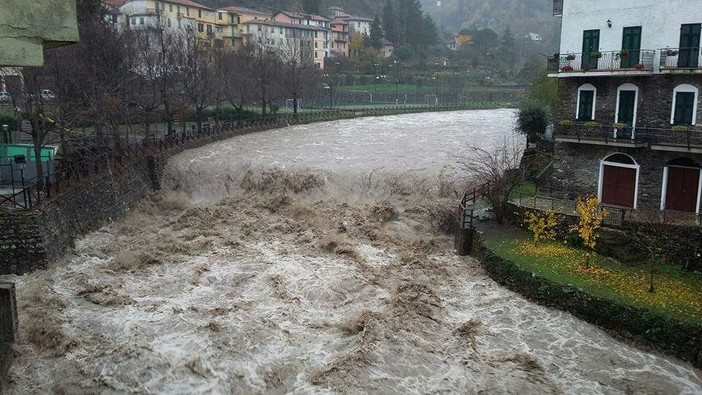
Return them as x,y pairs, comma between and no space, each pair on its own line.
629,76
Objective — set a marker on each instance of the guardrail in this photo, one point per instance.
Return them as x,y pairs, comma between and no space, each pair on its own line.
680,58
687,137
74,172
466,211
606,61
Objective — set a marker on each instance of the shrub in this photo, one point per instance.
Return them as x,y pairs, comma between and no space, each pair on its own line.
680,128
591,218
533,118
592,125
542,225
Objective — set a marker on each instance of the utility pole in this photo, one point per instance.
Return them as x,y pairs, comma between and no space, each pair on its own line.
396,64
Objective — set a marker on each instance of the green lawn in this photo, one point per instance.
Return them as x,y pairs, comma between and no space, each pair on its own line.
526,189
678,294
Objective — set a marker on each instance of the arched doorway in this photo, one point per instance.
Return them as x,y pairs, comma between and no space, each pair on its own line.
682,184
619,180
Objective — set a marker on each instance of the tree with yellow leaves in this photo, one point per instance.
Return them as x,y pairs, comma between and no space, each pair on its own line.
542,225
591,218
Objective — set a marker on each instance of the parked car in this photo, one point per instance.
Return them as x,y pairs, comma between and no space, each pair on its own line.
5,97
47,95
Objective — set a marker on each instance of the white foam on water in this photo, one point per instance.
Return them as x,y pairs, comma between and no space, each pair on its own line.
273,263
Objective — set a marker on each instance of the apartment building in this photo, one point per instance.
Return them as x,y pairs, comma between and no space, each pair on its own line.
629,76
317,25
339,42
357,24
218,28
287,38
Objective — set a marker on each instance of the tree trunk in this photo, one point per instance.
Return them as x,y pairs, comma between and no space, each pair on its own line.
169,117
198,119
39,168
263,101
295,103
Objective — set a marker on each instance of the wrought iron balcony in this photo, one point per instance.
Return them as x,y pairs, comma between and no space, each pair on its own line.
685,139
611,61
681,59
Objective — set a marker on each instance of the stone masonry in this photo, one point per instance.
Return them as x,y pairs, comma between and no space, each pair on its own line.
577,166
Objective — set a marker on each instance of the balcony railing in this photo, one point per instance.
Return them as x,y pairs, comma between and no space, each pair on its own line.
607,61
681,58
638,136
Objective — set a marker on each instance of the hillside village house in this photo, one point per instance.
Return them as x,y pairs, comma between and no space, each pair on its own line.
219,28
629,76
230,27
357,24
317,26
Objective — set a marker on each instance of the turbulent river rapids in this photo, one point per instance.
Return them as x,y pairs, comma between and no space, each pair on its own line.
311,259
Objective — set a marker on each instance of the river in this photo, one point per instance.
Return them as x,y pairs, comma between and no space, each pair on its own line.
311,259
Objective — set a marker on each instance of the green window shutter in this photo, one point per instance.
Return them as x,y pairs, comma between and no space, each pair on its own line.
587,99
684,107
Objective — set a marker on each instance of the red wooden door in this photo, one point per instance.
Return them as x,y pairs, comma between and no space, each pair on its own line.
618,186
683,185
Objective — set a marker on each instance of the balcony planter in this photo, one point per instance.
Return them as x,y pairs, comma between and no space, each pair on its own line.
570,57
566,123
592,125
671,52
680,129
567,68
624,54
639,66
596,55
620,126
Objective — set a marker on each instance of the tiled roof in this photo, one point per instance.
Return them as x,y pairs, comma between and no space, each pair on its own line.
187,3
301,15
284,24
114,3
244,10
357,18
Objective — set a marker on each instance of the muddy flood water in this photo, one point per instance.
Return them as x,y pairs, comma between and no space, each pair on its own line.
311,259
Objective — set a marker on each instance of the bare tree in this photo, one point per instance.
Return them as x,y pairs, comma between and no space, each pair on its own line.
198,70
298,72
266,69
497,166
238,81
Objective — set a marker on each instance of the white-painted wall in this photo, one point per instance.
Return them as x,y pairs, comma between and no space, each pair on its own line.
660,21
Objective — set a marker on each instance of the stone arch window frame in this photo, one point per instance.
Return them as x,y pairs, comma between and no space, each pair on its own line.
664,186
604,162
688,89
586,87
628,87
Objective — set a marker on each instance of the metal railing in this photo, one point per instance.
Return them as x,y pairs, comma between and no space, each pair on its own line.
689,138
680,58
76,170
621,60
466,209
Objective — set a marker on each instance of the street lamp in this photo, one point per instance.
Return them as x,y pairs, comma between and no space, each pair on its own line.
6,133
436,91
397,81
327,88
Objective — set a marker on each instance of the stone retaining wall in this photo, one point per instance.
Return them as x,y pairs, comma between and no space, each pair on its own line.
681,244
645,327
